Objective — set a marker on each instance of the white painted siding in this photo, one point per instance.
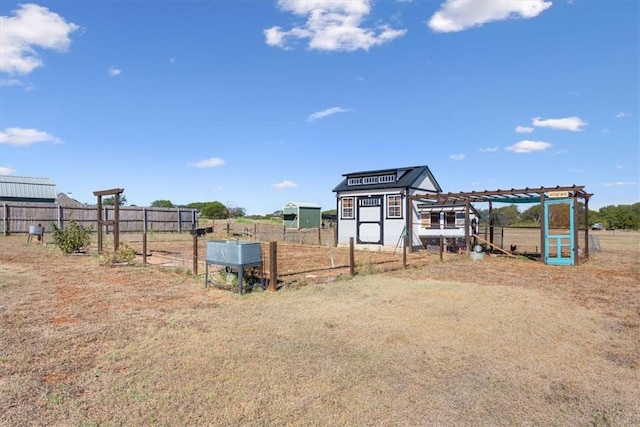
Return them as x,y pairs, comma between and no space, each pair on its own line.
425,183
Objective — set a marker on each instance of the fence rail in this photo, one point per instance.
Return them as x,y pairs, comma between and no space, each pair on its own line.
17,217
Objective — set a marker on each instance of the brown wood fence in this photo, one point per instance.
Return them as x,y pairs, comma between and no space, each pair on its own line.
17,217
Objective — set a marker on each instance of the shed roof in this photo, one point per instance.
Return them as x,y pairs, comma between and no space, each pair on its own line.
27,189
304,205
406,178
65,200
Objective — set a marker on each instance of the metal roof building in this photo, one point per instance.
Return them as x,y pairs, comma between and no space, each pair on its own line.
302,215
27,189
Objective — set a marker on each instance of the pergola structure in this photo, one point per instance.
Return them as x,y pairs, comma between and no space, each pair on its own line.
115,222
546,196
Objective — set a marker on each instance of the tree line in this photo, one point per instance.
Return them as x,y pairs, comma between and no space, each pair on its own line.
611,217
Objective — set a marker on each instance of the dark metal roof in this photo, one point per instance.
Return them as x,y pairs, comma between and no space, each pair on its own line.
407,178
27,189
522,195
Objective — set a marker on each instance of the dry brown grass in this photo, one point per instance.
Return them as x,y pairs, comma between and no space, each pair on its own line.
494,342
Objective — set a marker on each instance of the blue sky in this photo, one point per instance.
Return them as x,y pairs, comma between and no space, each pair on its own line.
256,103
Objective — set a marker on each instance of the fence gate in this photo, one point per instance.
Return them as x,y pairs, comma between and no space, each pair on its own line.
559,242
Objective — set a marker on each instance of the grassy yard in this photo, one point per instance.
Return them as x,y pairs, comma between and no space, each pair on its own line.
471,343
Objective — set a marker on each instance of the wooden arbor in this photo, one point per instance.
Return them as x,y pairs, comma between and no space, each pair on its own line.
115,222
543,195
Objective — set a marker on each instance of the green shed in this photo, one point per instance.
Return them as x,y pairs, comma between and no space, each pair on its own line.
302,215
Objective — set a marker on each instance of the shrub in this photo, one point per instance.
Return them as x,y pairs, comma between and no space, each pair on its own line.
125,254
72,238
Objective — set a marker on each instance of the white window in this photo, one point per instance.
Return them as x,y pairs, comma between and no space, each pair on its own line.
371,201
347,207
394,206
450,219
386,178
370,180
354,181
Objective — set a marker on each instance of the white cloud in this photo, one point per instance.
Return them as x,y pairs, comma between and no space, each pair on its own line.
526,146
213,162
325,113
24,137
6,171
331,25
622,114
114,71
619,184
574,123
489,149
524,129
459,15
31,26
284,184
457,157
10,82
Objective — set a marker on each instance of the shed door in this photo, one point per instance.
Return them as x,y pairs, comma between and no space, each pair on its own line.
370,220
559,247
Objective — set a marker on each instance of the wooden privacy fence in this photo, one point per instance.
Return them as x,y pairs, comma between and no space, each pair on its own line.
17,217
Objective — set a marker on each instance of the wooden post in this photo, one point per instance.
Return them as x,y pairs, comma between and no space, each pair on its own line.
409,223
586,228
491,223
60,216
576,232
441,249
102,216
319,236
467,224
405,240
144,220
195,254
543,235
335,234
116,225
144,248
352,263
100,223
228,229
273,266
194,219
5,215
